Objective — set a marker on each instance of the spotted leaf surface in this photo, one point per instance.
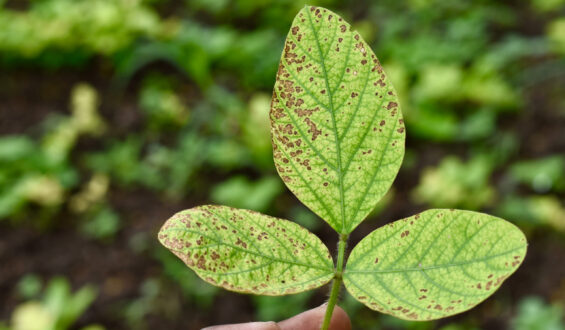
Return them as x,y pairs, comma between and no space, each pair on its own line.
434,264
246,251
337,130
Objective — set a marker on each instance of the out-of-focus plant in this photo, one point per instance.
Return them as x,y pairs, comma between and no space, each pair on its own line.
547,5
456,93
240,192
280,308
556,35
255,129
541,175
58,308
545,210
534,314
200,295
454,183
75,28
156,166
152,300
41,173
59,141
162,106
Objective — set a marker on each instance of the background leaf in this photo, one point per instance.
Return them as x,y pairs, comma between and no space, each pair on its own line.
434,264
338,134
245,251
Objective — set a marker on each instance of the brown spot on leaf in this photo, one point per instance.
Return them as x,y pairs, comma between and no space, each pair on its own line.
343,28
412,316
287,129
242,243
313,129
488,286
379,83
305,112
295,153
201,263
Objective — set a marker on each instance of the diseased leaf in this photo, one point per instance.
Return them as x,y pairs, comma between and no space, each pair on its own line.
246,251
434,264
337,130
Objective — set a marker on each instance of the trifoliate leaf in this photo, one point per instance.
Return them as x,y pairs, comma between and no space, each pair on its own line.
434,264
245,251
337,130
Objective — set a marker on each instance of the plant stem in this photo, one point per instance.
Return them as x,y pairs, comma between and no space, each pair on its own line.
338,279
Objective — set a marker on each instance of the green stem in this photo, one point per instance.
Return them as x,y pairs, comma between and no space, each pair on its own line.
338,279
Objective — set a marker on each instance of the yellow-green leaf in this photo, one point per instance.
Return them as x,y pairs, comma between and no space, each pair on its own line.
246,251
434,264
337,130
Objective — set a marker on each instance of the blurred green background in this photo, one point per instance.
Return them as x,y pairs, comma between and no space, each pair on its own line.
115,114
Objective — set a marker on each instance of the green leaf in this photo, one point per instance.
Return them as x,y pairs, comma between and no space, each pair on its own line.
434,264
245,251
337,130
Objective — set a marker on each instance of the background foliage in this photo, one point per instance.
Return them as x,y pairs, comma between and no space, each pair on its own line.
114,114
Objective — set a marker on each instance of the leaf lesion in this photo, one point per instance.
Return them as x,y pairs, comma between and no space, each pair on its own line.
304,137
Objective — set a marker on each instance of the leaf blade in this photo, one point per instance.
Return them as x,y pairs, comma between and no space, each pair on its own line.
337,131
245,251
437,263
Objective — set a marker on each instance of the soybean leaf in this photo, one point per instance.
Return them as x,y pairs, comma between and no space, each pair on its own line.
245,251
337,130
434,264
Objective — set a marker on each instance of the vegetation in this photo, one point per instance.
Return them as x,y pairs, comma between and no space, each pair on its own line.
116,113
